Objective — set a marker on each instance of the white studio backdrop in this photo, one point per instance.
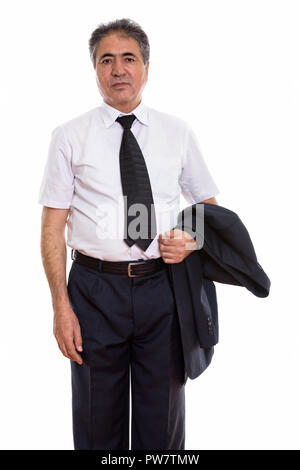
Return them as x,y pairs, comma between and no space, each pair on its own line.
231,69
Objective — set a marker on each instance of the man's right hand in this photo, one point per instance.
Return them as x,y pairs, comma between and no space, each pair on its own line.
67,332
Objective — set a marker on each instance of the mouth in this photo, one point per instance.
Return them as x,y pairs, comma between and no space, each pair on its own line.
117,85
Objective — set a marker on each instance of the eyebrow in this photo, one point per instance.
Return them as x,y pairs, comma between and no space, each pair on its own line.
108,54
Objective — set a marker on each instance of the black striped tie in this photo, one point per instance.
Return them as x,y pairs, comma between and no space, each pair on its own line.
136,186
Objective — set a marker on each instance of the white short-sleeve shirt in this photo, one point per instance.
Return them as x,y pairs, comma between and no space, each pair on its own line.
82,174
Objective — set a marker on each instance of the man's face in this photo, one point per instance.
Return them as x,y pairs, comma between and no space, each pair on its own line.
118,60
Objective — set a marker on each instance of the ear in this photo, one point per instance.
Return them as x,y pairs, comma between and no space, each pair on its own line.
147,67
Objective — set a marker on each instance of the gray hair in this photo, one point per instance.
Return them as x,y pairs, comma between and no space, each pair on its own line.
126,26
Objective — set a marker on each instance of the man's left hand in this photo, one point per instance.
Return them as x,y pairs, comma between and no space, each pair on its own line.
176,245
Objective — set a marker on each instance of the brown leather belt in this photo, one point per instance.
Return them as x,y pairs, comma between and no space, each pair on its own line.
131,268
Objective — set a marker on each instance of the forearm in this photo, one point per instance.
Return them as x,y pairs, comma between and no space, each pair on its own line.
53,251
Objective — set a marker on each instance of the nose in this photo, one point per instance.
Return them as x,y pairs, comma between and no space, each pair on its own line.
117,67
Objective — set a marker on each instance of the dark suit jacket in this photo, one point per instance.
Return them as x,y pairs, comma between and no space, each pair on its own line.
225,254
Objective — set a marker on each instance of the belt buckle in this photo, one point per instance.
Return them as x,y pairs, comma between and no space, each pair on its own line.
129,269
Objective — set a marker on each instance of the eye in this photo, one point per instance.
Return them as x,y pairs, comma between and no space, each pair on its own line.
104,61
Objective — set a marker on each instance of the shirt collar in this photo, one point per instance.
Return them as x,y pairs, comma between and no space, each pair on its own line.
110,114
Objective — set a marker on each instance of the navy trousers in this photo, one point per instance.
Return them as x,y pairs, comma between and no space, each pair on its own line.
131,339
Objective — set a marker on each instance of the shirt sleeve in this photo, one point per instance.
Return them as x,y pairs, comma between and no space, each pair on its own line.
57,185
196,182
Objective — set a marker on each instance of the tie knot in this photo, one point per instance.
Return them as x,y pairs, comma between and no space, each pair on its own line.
126,121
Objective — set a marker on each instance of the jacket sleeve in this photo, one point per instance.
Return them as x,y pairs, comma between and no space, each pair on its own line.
215,272
230,258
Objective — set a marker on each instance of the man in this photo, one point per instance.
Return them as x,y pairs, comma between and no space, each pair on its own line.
114,317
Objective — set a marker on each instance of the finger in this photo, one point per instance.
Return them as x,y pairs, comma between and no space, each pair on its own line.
77,338
169,260
179,234
173,241
167,242
72,353
173,249
168,235
162,237
166,249
169,255
62,347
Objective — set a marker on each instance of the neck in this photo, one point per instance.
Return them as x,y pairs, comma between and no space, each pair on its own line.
126,107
